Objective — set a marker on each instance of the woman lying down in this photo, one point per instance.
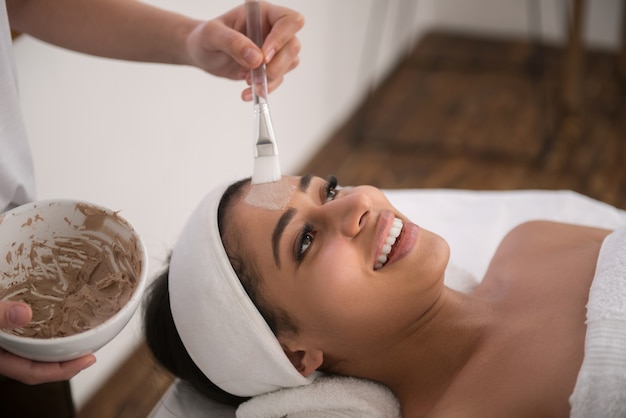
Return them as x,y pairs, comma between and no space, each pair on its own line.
271,285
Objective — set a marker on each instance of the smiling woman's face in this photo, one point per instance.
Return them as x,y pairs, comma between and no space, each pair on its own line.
332,259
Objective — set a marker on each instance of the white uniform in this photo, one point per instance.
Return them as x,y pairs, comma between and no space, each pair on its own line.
17,178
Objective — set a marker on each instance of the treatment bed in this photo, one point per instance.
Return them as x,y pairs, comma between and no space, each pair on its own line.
473,223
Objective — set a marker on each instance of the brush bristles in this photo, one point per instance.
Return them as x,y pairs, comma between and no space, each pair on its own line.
266,169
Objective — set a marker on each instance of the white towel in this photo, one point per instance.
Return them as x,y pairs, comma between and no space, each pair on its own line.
327,396
600,390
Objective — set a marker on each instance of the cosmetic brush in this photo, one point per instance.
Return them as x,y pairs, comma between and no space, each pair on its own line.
266,164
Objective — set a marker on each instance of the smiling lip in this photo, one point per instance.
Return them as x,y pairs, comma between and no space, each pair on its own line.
404,243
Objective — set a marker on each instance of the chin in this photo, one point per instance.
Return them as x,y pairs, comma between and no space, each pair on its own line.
436,251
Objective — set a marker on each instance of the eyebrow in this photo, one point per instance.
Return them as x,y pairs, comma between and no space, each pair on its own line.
279,229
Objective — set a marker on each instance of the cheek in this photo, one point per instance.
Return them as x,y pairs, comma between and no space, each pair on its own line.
338,273
346,300
337,282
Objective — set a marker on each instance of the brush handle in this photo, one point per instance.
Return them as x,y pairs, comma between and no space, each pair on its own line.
254,30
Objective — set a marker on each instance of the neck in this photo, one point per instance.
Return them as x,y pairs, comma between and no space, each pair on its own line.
421,365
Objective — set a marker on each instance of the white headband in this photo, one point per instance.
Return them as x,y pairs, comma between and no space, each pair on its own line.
222,330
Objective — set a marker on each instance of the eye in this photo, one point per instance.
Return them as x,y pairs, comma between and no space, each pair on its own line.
330,189
303,242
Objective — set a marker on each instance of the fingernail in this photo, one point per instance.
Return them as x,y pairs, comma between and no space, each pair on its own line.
247,95
19,314
90,363
270,54
251,56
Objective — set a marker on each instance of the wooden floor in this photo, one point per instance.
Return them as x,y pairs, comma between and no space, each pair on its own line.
459,112
478,114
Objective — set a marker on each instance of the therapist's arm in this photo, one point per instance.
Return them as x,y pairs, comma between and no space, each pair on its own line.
136,31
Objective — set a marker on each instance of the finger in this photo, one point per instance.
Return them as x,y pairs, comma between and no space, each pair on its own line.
286,60
33,372
14,314
273,85
246,95
285,23
239,47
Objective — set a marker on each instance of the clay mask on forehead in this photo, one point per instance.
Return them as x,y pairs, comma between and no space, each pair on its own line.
270,196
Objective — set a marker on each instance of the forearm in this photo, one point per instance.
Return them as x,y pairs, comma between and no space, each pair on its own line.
123,29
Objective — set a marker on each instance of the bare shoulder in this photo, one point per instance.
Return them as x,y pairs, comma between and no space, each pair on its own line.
540,245
534,236
538,284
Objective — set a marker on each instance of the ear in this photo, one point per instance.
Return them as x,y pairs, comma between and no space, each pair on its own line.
305,360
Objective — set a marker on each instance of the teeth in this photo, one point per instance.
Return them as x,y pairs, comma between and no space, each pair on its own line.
394,233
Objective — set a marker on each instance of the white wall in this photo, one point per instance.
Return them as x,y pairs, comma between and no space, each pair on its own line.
150,140
602,21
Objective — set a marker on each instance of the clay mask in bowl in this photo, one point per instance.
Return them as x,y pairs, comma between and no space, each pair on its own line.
81,267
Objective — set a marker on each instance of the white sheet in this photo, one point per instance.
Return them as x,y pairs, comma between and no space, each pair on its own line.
473,223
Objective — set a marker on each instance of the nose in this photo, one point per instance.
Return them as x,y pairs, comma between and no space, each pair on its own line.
348,212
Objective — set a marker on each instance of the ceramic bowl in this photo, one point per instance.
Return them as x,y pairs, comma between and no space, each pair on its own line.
34,241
